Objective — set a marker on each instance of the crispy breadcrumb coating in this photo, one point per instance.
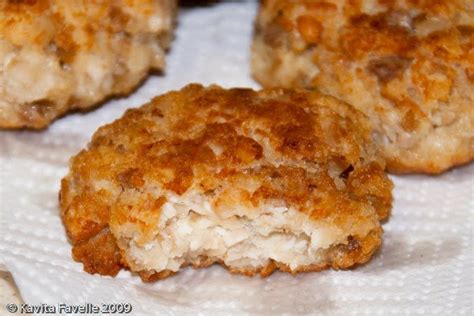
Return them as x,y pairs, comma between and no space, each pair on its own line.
253,180
408,65
56,56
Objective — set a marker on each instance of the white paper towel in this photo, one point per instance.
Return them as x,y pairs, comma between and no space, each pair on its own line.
424,267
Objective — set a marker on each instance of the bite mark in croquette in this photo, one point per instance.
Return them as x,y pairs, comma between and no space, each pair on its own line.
253,180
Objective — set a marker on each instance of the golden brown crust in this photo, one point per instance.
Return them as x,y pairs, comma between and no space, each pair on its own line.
61,55
406,64
310,151
99,254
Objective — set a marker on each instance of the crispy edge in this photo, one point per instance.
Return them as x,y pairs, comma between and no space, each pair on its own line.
396,166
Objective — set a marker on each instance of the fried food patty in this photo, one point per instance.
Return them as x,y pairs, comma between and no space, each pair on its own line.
408,65
56,56
255,181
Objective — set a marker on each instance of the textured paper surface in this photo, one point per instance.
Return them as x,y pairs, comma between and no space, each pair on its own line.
424,267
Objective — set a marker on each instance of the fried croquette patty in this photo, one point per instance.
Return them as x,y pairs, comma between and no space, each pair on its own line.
253,180
56,56
408,65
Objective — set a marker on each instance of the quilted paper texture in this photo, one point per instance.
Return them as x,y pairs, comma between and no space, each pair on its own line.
425,265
